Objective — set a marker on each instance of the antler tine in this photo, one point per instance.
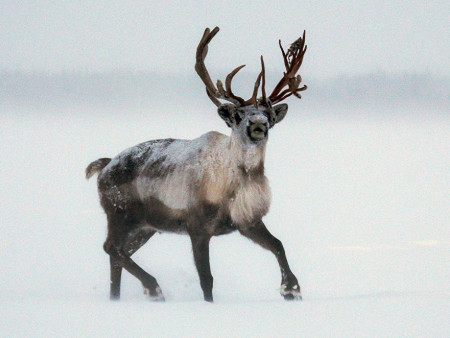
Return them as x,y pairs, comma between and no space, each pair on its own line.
253,99
220,88
212,98
202,51
286,64
228,80
298,80
263,88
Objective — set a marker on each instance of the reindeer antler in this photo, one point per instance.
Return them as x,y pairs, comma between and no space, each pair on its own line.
220,93
292,61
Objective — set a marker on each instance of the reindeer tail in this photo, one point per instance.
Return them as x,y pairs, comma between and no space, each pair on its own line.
96,166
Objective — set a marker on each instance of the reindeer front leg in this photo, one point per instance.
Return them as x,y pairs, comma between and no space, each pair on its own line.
259,234
200,247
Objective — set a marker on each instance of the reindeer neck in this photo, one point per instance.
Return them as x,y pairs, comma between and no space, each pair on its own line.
247,155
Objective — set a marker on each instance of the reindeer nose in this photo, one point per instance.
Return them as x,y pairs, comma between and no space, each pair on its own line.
258,130
258,125
258,120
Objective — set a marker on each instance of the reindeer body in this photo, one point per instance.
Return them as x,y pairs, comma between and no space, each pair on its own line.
209,186
214,177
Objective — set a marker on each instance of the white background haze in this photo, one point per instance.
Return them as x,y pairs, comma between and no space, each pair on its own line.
359,168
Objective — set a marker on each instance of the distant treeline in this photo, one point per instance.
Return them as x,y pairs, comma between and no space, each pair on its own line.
124,88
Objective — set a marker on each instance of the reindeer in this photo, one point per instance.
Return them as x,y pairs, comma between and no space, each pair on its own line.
208,186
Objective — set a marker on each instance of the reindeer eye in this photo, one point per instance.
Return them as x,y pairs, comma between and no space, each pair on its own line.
267,114
237,118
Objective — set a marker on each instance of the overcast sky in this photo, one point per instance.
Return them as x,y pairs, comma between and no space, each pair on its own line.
343,37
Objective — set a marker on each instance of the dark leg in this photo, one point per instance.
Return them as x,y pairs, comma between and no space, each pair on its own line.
137,241
116,268
200,247
116,275
119,253
259,234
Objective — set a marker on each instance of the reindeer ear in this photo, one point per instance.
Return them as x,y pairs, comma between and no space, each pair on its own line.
227,112
280,111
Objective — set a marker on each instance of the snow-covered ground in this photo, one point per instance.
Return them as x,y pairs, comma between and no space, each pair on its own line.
360,201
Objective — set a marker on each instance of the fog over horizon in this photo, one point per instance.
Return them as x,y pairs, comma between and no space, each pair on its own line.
411,93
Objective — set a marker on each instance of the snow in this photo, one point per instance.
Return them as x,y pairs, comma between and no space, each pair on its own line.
360,201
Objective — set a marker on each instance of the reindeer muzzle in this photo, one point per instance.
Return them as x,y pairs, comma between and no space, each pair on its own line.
257,131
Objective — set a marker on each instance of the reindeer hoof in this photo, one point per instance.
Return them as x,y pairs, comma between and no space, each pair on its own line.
155,295
291,292
292,297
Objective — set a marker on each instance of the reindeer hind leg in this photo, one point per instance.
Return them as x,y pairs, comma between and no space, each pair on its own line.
137,240
120,246
115,278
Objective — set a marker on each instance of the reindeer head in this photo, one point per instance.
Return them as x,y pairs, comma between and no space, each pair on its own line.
253,118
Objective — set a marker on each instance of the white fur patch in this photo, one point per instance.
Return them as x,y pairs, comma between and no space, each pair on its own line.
251,200
212,162
176,189
172,190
